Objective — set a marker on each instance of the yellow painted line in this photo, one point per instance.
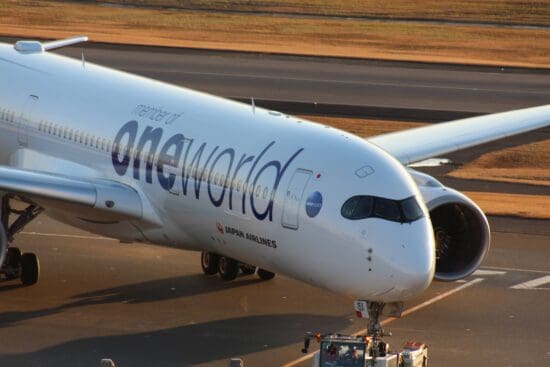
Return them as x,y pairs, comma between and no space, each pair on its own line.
405,313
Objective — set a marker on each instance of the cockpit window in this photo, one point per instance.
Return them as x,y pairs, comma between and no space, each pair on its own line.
358,207
411,209
387,209
364,206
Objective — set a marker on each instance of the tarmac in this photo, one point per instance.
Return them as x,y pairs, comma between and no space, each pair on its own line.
351,83
151,306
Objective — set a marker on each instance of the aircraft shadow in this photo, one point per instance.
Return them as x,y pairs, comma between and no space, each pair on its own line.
182,346
143,292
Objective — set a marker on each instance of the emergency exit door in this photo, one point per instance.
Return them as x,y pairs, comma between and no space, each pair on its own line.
293,198
26,119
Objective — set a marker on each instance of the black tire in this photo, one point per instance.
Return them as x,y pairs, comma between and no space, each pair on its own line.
30,269
265,275
228,268
247,269
12,266
209,263
13,256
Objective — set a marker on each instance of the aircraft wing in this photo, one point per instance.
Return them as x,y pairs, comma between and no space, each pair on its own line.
89,197
414,145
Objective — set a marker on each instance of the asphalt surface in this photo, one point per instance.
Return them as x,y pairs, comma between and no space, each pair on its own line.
147,305
151,306
334,81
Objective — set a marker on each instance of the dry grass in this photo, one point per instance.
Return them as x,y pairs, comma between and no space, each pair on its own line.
526,206
505,11
528,164
291,35
363,127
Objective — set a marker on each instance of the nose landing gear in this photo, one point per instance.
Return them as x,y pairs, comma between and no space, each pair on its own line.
366,350
375,331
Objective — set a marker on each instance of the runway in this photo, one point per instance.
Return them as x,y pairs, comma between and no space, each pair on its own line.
146,305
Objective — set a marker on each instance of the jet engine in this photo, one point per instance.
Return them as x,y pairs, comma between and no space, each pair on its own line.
461,229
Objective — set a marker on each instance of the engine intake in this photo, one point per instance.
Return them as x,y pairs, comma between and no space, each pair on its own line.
461,239
461,229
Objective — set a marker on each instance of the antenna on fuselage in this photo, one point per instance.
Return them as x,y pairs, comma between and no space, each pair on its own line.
253,105
83,59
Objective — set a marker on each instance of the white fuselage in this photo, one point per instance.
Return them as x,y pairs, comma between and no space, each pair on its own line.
215,175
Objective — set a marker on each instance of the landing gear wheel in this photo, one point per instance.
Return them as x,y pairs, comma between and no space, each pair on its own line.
228,268
30,269
247,269
14,254
209,262
12,267
265,275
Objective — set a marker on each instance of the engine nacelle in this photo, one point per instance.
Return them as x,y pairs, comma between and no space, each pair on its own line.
461,229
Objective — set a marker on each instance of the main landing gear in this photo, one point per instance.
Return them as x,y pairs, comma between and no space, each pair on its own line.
14,264
229,268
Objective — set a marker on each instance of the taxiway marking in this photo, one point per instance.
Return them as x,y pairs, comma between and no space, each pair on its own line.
533,284
482,273
405,313
517,269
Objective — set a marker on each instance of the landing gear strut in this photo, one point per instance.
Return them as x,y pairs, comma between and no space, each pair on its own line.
375,331
13,264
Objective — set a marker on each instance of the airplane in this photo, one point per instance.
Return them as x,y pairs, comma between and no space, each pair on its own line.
255,191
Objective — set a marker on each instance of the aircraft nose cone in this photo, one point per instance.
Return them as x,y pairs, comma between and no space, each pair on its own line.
402,258
417,265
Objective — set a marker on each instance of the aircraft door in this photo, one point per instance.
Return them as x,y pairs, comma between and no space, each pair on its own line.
293,198
26,119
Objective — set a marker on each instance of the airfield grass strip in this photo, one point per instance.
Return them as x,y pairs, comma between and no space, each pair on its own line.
497,11
278,34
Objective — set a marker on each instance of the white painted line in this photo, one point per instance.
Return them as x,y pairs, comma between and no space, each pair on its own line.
517,269
481,272
405,313
80,237
533,284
